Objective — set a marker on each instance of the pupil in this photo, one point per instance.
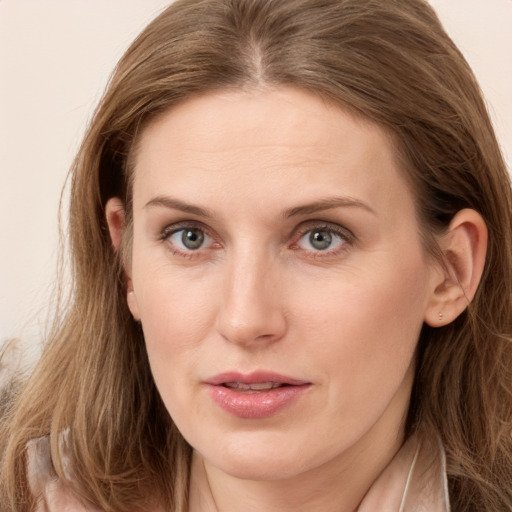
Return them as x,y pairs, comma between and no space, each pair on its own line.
192,238
320,240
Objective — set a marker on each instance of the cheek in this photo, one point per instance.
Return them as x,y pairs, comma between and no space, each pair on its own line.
176,314
176,319
363,330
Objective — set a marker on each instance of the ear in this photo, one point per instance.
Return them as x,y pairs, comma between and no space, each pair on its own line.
464,247
114,211
115,214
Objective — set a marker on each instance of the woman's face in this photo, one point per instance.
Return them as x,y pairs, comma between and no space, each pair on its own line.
279,276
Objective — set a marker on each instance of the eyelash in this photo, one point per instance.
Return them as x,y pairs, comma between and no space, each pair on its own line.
346,236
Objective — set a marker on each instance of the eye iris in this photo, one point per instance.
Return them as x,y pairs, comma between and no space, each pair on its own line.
320,240
192,238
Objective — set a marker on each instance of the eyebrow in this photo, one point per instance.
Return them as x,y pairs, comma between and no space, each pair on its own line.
306,209
327,204
176,204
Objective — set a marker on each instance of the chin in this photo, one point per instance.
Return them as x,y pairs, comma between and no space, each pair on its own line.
265,460
269,469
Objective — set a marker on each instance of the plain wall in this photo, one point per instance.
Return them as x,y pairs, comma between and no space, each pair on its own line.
55,58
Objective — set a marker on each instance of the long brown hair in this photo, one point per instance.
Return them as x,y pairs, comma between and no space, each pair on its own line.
389,61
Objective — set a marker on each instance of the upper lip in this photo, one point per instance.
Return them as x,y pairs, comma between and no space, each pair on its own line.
255,377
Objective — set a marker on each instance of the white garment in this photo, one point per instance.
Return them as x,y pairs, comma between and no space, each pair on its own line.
414,481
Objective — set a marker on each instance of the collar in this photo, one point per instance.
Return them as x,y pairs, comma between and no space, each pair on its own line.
414,481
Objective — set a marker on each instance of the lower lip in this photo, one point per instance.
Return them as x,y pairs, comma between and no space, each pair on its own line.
255,404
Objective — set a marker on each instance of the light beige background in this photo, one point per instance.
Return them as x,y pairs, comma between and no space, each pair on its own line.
55,58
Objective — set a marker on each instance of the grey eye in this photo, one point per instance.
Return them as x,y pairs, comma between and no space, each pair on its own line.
189,239
320,240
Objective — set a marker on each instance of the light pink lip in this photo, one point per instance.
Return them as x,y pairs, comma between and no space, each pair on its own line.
255,404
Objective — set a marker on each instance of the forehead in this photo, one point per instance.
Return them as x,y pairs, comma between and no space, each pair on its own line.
203,121
239,144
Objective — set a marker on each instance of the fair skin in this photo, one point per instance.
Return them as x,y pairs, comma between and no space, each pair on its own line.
274,232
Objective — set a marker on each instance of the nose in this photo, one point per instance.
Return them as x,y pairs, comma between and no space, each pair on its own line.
251,310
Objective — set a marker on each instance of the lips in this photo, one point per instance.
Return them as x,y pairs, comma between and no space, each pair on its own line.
255,395
254,378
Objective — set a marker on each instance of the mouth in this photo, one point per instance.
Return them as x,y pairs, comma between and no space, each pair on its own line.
256,395
254,388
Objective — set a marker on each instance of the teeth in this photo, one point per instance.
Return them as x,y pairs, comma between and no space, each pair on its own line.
264,385
260,386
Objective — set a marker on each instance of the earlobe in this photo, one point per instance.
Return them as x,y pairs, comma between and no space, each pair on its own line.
464,247
131,299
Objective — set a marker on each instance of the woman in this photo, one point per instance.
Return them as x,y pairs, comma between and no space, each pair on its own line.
291,232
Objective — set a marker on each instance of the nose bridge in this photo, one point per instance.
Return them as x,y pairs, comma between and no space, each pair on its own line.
251,309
